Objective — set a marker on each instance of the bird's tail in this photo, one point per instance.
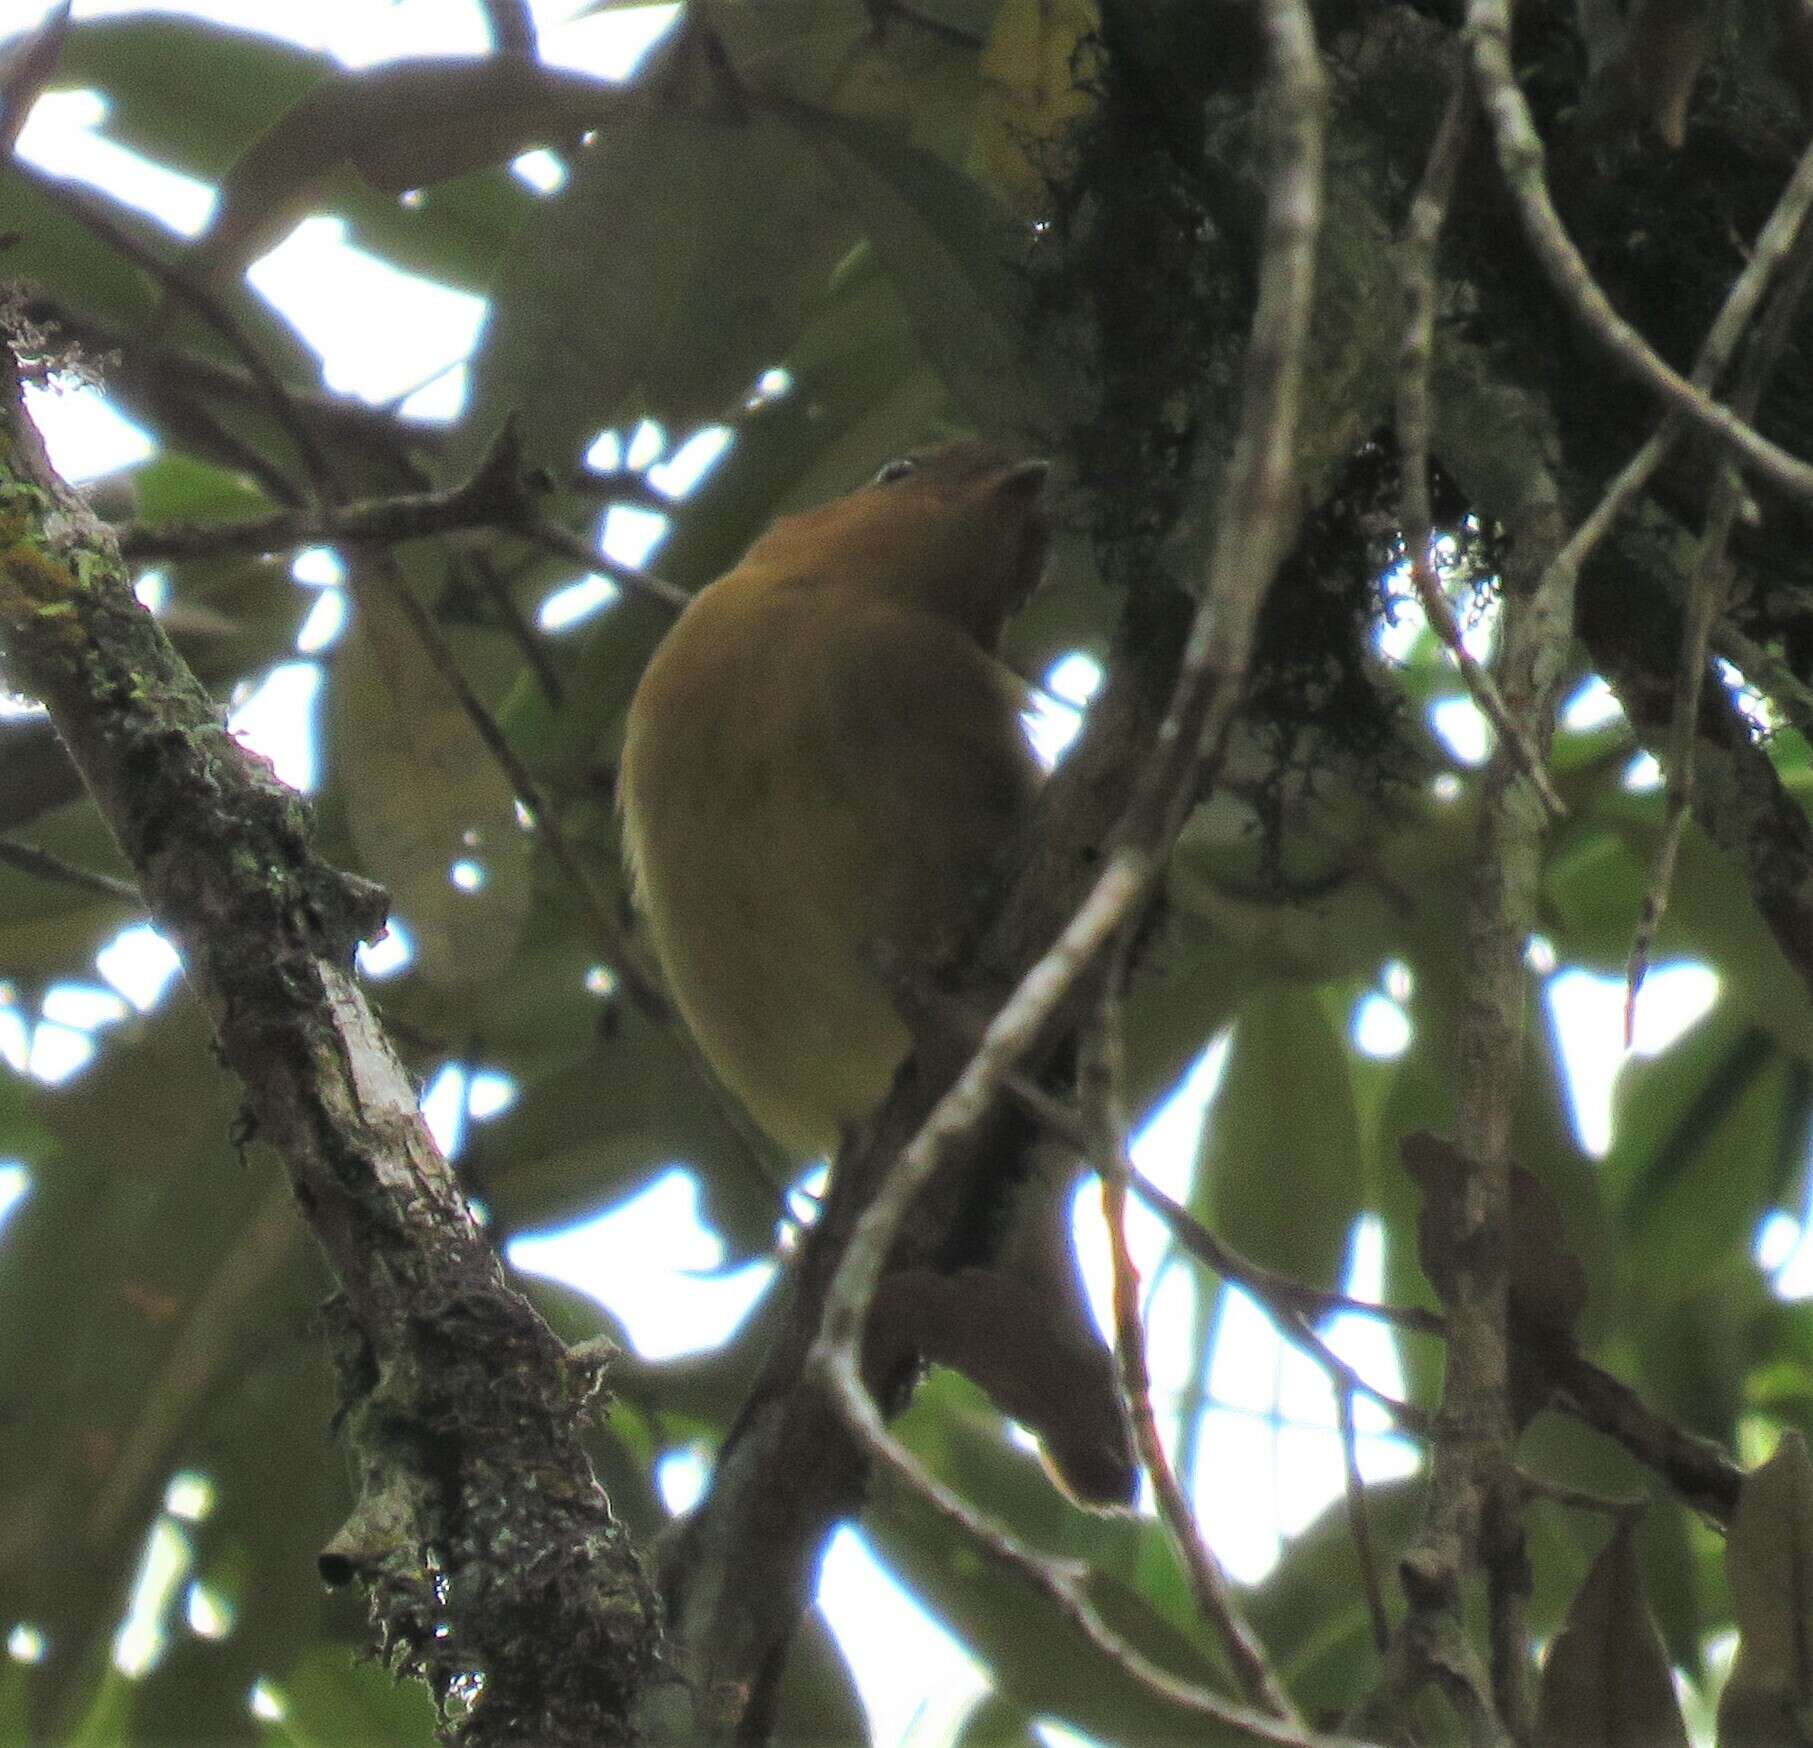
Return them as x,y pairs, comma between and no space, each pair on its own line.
1019,1325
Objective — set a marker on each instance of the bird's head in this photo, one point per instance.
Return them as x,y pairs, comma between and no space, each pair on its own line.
958,530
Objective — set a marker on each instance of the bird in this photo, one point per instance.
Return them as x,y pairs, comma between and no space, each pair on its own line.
823,767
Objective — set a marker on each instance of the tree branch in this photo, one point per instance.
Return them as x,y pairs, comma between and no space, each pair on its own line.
44,866
1698,1470
1739,798
1101,1078
512,27
461,1406
1707,592
1520,158
1422,233
1472,1522
501,493
1769,256
166,377
273,391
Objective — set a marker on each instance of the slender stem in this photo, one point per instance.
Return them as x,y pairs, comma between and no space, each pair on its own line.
1103,1073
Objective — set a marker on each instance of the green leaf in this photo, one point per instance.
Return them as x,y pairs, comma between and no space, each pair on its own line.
1035,1657
1281,1167
189,94
195,96
1606,1682
154,1298
107,1719
694,244
400,125
55,249
427,793
998,1723
328,1696
819,1700
1694,1162
1692,1350
949,251
625,1110
1311,1609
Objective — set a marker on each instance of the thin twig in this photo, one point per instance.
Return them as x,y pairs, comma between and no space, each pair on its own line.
501,493
170,369
530,645
616,948
1480,683
512,27
25,69
44,866
1698,1470
1359,1523
210,309
1102,1075
1065,1583
1747,812
1707,591
1251,539
1520,158
1422,234
569,545
1291,1302
184,421
1580,1498
1769,256
1298,1330
1283,1295
1768,672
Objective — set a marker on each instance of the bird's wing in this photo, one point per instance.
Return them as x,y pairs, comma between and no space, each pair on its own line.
927,777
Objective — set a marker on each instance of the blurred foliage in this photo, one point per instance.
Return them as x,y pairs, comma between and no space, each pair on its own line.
864,235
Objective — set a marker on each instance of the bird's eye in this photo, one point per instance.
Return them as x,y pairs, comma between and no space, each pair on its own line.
893,472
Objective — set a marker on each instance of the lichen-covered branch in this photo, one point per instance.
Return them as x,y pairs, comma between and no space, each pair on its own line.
496,1569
